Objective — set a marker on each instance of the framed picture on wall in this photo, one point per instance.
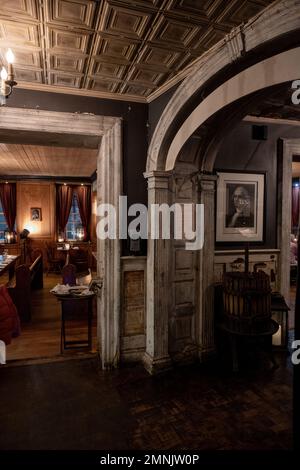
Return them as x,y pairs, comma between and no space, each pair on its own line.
240,207
36,214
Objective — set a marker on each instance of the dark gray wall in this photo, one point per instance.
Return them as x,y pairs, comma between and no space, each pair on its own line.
157,107
240,152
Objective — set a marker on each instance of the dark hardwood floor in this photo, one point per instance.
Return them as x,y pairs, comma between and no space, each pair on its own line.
74,405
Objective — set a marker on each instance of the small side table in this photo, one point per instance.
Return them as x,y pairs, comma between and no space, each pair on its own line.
73,308
280,312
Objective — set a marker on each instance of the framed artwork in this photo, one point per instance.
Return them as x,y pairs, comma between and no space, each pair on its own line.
36,214
240,207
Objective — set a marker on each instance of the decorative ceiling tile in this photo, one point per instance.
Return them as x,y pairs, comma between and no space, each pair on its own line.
121,21
237,12
136,89
174,33
20,34
114,48
67,63
79,13
103,85
140,3
22,9
158,57
203,10
146,77
27,75
60,79
25,57
68,41
107,69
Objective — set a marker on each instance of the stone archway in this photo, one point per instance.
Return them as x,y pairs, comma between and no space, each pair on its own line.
279,20
167,142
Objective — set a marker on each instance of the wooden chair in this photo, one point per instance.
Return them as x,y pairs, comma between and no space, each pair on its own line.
80,259
54,264
69,274
27,278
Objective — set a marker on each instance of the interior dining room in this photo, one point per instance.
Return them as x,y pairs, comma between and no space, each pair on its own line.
124,330
47,223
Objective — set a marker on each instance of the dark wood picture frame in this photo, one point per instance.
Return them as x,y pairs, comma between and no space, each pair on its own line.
36,214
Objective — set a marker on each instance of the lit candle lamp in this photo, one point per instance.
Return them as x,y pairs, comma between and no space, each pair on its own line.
10,60
9,237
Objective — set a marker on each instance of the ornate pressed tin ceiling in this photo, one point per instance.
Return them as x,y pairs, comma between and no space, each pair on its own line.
114,48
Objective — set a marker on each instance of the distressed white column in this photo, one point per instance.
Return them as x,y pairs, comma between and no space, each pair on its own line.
109,186
156,358
205,323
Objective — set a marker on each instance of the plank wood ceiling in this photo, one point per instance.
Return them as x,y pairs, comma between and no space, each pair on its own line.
122,49
41,160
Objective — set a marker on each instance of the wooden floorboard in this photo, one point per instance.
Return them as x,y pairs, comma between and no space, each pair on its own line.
41,337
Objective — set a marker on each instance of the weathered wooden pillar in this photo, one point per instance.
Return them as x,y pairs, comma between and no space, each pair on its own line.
156,358
109,186
205,323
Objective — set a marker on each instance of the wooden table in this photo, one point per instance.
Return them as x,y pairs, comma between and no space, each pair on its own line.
10,265
73,308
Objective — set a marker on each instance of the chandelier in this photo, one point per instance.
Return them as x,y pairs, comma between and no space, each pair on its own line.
7,78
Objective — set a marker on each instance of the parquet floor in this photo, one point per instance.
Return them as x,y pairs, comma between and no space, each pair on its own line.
75,405
41,337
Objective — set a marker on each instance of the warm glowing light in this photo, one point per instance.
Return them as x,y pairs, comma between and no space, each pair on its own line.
33,228
10,56
3,74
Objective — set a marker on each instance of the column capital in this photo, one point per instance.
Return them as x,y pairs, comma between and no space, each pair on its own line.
157,174
158,180
206,183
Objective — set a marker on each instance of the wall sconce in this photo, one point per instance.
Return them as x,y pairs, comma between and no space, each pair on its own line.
9,237
7,78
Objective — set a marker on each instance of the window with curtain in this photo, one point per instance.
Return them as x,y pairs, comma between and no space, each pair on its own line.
3,224
74,219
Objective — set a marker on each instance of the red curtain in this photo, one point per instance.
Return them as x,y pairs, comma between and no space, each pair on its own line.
9,204
64,196
84,203
295,206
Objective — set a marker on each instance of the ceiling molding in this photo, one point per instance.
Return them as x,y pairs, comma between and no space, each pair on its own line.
87,93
